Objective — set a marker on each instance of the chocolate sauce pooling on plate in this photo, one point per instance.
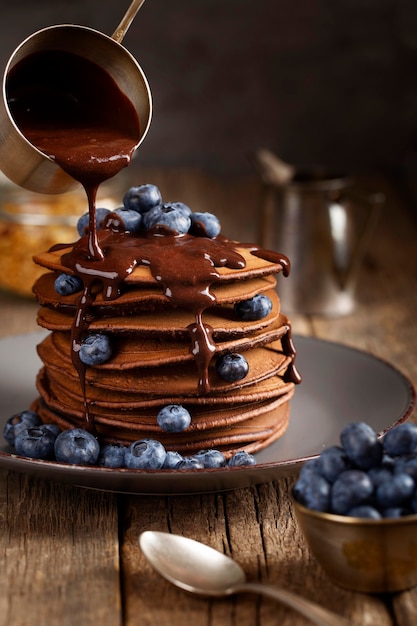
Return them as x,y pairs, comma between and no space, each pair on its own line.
73,111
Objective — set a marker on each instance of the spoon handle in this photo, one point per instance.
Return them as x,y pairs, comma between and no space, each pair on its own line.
315,613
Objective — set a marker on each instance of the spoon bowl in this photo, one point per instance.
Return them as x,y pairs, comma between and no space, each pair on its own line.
198,568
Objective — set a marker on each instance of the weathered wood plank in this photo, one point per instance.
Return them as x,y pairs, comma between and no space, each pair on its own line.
255,526
60,559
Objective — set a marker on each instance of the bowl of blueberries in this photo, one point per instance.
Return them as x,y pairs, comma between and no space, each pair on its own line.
356,504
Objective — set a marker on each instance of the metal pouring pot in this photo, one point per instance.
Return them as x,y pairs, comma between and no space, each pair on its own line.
20,160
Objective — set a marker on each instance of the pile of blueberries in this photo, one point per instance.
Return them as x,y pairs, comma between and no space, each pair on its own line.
26,433
363,477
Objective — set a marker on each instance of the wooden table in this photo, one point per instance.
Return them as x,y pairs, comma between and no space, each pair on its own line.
70,556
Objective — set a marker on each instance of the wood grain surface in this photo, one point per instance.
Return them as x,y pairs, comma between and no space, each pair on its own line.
70,556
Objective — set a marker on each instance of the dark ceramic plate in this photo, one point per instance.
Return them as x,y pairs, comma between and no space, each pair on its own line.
340,385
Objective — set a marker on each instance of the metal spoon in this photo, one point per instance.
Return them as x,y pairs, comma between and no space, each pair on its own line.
199,569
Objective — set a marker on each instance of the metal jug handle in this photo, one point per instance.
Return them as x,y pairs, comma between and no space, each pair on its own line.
346,261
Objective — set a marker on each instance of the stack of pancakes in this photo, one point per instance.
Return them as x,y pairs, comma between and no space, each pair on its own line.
153,362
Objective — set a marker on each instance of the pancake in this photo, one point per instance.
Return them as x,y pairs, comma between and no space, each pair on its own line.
168,305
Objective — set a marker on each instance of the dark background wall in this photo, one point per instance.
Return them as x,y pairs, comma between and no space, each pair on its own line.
330,82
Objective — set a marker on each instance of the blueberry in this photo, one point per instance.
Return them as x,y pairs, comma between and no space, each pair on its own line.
36,442
232,367
173,418
313,491
111,455
190,463
365,511
167,215
396,491
172,459
401,440
145,454
379,475
352,488
211,458
205,225
361,445
407,466
126,220
142,198
413,502
254,308
95,349
332,462
83,224
53,428
76,447
180,206
18,422
308,467
67,284
396,511
241,459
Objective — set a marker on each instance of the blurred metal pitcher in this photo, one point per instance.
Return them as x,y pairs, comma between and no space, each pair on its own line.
323,225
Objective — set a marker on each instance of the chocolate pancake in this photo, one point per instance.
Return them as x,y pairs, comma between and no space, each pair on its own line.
167,305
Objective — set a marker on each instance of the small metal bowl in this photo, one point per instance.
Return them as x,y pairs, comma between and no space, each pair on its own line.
370,556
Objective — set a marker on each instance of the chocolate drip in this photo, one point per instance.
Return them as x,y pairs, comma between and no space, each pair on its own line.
292,374
184,265
270,255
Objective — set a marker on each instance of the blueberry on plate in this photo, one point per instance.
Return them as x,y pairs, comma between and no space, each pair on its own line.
255,308
205,225
18,422
232,367
145,454
211,458
142,198
126,220
361,445
83,224
111,455
67,284
190,463
172,459
241,459
76,447
95,349
169,216
173,418
36,442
